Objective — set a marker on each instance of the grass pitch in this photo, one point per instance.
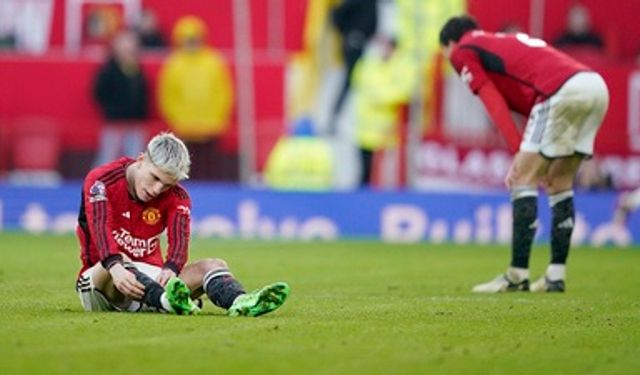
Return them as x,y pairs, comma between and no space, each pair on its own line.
356,308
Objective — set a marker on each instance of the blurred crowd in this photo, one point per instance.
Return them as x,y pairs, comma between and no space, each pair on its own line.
359,92
195,93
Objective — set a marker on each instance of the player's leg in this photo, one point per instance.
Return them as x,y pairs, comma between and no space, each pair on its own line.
526,173
213,277
366,165
559,187
97,292
577,112
527,170
174,297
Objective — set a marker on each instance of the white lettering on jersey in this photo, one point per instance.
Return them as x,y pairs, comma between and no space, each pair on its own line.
126,214
466,75
136,247
529,41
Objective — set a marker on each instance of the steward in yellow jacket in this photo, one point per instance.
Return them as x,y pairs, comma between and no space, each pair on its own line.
195,90
383,81
300,161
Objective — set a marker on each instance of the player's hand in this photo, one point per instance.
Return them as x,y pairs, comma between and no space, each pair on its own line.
509,181
164,276
126,282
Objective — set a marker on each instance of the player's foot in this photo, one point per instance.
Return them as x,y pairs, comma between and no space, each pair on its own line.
502,284
545,285
178,295
261,301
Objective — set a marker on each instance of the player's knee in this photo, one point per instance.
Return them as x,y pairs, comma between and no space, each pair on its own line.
522,179
558,184
519,177
213,264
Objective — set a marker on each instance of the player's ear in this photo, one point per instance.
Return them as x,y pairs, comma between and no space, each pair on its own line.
140,157
448,49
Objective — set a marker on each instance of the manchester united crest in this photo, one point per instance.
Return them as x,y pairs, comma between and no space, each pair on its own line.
151,215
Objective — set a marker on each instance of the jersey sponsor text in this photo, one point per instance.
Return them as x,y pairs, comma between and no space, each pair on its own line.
136,247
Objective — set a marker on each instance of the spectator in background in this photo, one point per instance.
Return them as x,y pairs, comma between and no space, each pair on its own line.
300,160
356,21
120,90
150,35
196,94
383,81
511,27
579,32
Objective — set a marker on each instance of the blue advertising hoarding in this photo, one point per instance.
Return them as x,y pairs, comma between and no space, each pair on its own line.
398,216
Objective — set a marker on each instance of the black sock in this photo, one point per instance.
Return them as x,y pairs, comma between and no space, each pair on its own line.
221,287
152,289
525,214
563,213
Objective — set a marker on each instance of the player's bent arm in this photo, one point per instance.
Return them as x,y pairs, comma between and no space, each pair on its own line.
165,275
500,114
178,234
99,217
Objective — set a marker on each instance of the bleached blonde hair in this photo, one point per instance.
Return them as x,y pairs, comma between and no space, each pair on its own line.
169,153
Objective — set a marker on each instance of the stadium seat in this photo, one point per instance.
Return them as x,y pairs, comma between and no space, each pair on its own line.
36,148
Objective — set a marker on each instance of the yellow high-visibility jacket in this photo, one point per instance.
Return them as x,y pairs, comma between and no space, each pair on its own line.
196,94
379,89
300,163
419,23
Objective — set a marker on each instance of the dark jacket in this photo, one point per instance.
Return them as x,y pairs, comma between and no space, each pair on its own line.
356,20
120,96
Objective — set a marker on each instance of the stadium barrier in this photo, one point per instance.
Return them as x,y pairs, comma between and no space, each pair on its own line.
221,211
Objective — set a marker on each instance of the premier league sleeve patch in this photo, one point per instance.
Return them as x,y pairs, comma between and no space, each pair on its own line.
97,192
184,210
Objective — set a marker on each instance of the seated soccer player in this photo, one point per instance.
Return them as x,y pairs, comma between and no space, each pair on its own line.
126,205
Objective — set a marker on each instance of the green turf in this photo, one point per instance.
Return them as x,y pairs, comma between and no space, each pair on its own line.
356,308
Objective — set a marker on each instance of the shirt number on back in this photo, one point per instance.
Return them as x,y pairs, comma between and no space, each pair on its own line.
529,41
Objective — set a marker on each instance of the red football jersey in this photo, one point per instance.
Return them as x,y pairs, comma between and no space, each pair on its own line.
523,69
112,222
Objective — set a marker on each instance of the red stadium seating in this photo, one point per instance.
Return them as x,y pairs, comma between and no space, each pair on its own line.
36,145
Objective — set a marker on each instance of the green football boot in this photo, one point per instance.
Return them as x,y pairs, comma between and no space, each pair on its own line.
179,297
260,301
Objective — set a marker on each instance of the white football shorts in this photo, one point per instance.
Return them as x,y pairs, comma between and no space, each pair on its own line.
567,122
93,299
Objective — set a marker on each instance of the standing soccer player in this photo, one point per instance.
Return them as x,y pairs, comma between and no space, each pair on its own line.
126,205
565,102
